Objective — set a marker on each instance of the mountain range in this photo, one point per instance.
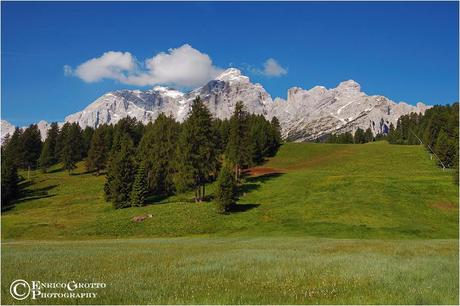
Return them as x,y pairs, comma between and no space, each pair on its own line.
304,115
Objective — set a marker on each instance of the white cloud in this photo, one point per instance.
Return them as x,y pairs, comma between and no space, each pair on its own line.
111,65
273,68
183,67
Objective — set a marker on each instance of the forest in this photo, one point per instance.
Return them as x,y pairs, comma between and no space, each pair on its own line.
160,158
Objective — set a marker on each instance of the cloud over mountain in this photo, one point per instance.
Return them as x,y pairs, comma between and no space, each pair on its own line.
182,67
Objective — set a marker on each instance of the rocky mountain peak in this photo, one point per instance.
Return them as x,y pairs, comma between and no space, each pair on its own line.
349,86
304,115
232,75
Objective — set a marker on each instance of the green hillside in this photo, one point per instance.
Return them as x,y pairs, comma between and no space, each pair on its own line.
373,190
284,245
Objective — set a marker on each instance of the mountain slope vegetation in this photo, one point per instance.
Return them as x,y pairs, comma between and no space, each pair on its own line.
373,190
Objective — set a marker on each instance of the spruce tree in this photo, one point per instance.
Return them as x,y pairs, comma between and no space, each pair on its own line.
226,190
87,136
13,148
139,190
46,157
71,150
9,181
368,135
157,150
196,153
52,136
31,147
392,136
445,149
98,151
238,146
276,134
121,174
346,137
359,136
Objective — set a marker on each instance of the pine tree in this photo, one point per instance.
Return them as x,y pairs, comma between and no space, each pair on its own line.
157,150
359,136
445,149
238,146
368,135
87,136
226,190
346,137
98,151
52,136
196,154
31,146
9,181
276,136
392,136
46,156
139,190
13,148
121,174
71,150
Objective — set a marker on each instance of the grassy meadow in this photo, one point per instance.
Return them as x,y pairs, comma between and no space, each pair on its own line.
318,223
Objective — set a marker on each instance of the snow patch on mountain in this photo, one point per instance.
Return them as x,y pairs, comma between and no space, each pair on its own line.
304,115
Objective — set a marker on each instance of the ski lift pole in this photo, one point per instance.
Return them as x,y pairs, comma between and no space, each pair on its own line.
431,150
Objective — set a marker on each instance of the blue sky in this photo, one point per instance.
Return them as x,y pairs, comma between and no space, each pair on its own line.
405,51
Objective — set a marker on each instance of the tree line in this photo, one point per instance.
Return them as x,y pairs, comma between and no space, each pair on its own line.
360,136
161,158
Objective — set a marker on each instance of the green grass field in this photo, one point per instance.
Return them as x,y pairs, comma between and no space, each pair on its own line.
318,223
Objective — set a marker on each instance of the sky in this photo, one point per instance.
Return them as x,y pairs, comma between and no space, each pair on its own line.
59,57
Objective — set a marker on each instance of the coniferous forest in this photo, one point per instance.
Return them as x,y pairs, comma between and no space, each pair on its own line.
166,157
437,130
161,158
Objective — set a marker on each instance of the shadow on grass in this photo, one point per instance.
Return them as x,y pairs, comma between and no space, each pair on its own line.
156,200
264,177
33,194
243,207
254,182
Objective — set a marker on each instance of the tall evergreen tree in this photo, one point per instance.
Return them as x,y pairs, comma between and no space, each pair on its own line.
31,146
48,154
346,137
13,148
71,150
9,181
98,151
368,135
276,136
46,157
139,190
121,174
445,149
238,146
226,190
359,136
87,135
196,154
157,150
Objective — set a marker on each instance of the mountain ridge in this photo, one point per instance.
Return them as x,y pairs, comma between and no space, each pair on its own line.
305,114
